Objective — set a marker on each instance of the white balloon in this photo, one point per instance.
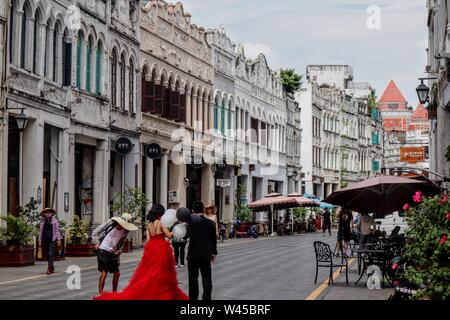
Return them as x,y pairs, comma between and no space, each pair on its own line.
179,231
169,218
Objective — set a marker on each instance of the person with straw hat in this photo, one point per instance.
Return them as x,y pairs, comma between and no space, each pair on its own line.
49,236
211,213
109,239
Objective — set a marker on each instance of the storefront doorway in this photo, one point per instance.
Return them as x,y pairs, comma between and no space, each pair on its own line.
194,189
84,180
13,166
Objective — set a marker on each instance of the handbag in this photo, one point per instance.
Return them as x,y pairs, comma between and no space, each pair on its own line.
39,253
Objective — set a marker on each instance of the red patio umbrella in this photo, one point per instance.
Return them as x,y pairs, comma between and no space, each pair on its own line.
280,202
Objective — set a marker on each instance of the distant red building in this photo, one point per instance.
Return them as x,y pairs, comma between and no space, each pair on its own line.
394,109
419,119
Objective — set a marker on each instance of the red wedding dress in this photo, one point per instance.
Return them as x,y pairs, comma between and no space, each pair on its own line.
155,277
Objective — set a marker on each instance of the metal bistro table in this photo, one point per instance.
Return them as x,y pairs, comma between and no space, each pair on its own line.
372,257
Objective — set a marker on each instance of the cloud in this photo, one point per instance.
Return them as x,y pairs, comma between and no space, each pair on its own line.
295,33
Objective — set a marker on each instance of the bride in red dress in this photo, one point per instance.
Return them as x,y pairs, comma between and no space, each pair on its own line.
155,277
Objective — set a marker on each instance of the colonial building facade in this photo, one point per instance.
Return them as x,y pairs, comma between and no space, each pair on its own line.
75,80
336,127
177,106
439,97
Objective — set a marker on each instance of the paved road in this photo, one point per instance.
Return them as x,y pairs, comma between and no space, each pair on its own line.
281,268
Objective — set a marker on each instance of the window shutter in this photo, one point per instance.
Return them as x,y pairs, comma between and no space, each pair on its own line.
182,113
175,106
98,71
144,94
159,99
167,103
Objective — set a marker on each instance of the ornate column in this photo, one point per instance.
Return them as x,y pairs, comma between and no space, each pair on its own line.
200,113
149,181
188,108
211,115
164,178
15,45
40,57
49,62
205,115
101,183
59,63
29,44
194,111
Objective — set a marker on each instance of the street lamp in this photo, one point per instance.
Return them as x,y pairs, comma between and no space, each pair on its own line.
423,90
22,121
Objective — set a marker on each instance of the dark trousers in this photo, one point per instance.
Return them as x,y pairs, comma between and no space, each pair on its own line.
179,248
49,249
327,226
204,266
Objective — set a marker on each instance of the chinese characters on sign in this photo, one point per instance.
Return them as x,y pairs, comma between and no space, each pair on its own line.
412,154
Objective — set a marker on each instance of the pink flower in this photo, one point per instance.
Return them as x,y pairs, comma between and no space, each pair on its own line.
443,240
444,199
448,215
417,197
395,266
406,207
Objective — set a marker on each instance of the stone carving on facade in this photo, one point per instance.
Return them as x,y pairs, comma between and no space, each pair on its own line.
24,85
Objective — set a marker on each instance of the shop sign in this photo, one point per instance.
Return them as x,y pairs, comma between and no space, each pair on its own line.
223,183
412,154
154,151
123,146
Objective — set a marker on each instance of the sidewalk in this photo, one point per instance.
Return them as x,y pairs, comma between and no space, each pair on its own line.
341,291
8,275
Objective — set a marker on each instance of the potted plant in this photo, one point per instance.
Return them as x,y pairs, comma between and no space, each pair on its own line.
77,236
17,237
300,219
134,202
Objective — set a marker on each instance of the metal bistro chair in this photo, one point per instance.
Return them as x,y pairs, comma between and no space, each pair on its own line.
325,258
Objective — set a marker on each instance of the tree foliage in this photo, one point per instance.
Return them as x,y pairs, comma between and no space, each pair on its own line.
291,80
132,201
428,248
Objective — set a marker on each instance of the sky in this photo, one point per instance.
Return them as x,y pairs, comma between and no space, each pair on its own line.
296,33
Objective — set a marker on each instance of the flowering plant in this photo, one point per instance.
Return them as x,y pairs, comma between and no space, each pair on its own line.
428,248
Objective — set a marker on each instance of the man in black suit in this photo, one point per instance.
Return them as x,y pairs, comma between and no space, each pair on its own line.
202,249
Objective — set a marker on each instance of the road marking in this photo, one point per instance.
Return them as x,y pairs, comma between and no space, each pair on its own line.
318,291
58,273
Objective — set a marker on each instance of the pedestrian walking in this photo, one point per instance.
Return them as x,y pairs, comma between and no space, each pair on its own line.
179,248
202,249
326,222
109,239
345,219
49,236
357,228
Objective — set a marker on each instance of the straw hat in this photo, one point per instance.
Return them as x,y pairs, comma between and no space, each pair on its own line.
211,206
52,211
124,221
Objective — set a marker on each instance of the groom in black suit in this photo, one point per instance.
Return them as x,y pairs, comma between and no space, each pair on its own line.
202,249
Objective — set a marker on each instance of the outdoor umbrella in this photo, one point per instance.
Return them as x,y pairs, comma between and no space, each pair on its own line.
380,195
280,202
323,205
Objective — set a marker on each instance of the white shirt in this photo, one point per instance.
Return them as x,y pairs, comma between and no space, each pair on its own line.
111,240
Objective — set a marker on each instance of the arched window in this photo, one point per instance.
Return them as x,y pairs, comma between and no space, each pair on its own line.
80,41
122,81
37,22
98,68
67,58
56,53
216,114
11,31
131,89
230,117
222,117
114,78
88,64
23,35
